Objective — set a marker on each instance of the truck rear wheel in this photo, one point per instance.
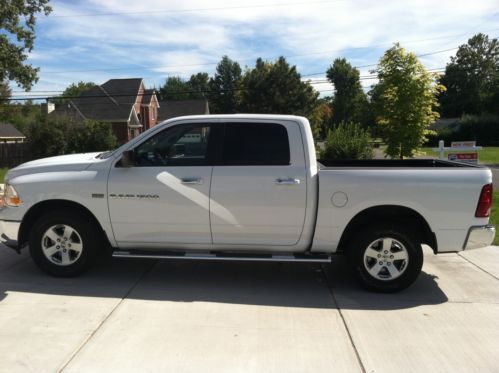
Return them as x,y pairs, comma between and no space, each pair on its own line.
63,244
385,258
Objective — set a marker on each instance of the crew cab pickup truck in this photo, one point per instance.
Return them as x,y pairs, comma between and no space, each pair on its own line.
244,187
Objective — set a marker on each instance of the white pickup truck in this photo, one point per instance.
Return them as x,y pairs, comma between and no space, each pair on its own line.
244,187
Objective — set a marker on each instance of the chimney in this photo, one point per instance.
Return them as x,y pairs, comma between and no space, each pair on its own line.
48,107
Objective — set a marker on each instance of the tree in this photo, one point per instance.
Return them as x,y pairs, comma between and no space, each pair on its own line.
349,102
348,141
198,85
276,88
17,36
405,98
176,88
46,137
74,90
5,94
320,118
223,87
90,136
472,78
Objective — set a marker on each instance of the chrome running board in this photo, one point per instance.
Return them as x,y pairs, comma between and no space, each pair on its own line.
262,257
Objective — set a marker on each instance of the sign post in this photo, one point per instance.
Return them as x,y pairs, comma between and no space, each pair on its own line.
471,155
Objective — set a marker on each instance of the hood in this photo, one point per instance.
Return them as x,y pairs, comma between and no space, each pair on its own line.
71,162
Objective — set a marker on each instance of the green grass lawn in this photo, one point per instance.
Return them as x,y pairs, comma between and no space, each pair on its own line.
486,155
3,171
494,216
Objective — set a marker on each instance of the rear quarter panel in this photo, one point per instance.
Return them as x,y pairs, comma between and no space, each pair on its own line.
445,197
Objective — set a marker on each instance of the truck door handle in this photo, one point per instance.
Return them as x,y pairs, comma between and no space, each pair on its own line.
287,181
191,180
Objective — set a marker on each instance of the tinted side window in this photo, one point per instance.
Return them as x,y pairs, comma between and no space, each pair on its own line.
255,144
183,145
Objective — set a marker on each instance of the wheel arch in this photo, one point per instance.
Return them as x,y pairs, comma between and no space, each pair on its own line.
390,213
42,207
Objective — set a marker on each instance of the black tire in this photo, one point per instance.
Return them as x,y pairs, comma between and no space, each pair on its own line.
87,236
408,270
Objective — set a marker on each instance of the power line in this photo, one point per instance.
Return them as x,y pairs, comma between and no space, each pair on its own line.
194,10
251,58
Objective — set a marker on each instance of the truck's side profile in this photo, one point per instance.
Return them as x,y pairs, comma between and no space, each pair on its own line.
245,187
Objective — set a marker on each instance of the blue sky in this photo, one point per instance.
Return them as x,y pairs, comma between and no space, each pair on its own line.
97,40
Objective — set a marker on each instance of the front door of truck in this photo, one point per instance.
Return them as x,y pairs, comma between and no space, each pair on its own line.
164,199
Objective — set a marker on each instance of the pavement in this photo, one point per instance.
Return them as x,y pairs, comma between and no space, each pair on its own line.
131,315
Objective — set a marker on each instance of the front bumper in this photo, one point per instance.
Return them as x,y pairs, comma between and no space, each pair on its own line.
9,232
479,236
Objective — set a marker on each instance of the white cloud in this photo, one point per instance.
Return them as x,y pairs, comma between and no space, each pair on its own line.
156,38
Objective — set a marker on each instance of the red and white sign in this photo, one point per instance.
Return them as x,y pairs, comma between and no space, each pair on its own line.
464,157
463,144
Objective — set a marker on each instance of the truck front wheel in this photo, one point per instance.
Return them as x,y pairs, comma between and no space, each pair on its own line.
385,258
63,244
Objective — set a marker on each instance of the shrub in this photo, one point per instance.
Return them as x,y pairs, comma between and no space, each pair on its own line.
484,129
90,136
348,141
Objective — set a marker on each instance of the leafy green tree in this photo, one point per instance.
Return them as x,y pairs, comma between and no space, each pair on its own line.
199,85
276,87
348,141
176,88
405,98
47,137
74,90
17,37
472,78
223,87
90,136
320,119
349,101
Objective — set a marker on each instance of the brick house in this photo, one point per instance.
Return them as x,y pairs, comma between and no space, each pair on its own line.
125,103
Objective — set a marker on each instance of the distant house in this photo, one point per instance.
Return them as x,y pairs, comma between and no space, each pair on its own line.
125,103
172,109
445,123
10,134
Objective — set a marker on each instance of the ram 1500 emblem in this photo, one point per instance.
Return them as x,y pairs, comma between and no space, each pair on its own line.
134,196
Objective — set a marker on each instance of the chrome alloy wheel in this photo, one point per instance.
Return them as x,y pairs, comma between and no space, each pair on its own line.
62,245
386,259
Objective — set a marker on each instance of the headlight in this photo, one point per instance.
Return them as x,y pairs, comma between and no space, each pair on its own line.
10,197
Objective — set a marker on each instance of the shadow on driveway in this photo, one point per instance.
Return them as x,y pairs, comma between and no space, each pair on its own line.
252,283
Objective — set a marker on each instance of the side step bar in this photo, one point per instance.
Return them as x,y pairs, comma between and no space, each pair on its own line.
264,257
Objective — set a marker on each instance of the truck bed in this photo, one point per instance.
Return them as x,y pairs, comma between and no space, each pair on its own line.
392,163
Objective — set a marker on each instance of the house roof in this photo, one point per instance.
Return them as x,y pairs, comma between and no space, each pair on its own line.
172,109
147,96
111,101
451,123
8,131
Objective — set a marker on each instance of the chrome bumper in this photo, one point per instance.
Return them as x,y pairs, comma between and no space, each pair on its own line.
8,233
479,236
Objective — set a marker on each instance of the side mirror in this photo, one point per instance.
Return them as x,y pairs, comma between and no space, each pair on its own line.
128,158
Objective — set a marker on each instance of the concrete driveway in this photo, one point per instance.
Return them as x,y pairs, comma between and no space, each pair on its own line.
178,316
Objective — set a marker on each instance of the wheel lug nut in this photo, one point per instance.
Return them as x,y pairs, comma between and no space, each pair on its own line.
58,247
391,256
379,255
58,240
386,251
380,263
388,263
64,250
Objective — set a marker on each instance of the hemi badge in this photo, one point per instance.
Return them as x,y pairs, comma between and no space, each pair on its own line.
97,195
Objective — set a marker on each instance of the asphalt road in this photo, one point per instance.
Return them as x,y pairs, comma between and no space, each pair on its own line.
191,316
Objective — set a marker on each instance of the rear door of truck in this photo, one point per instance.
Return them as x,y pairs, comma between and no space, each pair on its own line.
259,188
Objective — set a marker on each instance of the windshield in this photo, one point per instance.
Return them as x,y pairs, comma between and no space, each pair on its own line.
110,153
